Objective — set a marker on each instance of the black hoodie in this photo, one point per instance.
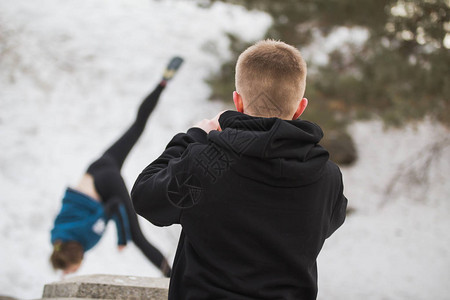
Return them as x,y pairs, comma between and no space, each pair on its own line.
256,202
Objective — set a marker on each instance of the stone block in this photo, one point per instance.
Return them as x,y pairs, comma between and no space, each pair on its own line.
108,287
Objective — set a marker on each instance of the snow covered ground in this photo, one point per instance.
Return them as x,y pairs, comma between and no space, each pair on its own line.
72,74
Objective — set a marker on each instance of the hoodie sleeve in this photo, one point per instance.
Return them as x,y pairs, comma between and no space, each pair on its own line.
115,210
339,211
150,191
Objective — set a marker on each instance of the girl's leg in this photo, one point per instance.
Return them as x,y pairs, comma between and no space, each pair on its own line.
150,251
110,185
109,182
112,160
120,149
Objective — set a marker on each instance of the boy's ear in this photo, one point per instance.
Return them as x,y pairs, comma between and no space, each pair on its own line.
301,108
237,99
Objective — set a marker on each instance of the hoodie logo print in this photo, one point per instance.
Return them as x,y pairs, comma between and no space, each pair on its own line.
213,162
184,190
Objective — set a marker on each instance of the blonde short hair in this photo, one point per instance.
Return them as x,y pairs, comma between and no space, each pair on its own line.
271,79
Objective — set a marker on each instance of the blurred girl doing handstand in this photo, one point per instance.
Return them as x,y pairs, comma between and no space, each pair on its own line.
101,195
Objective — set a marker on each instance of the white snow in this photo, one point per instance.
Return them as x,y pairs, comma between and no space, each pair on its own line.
396,245
72,74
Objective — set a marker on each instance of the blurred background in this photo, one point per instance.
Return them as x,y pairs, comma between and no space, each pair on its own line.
72,74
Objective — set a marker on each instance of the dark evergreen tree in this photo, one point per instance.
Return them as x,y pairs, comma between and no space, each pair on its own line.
400,73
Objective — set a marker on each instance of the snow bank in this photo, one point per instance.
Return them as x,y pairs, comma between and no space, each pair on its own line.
72,75
395,246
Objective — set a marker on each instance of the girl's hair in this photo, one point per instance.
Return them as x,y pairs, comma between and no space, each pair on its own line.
66,254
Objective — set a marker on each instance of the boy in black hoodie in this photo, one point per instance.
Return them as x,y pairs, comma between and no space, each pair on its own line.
254,192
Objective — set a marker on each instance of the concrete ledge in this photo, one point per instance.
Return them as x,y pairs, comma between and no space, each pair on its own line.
6,298
108,287
68,298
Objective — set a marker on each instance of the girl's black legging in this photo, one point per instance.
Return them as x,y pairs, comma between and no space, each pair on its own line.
110,184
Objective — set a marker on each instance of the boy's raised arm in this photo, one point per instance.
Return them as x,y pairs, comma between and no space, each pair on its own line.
149,194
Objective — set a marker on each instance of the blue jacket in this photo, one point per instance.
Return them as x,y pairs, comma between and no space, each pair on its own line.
82,219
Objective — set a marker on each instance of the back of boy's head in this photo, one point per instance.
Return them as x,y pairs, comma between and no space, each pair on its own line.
271,79
66,254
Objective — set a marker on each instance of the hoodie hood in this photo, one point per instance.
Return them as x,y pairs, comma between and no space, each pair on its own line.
271,150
